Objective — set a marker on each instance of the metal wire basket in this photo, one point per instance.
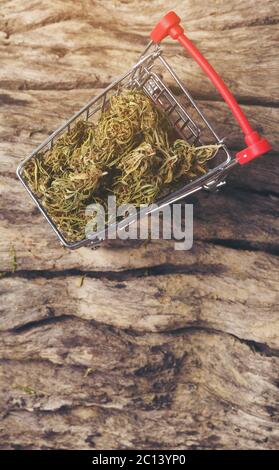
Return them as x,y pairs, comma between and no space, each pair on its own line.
151,74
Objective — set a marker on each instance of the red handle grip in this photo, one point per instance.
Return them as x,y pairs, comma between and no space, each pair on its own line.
256,145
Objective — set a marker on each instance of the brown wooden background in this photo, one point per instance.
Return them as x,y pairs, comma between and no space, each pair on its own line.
136,345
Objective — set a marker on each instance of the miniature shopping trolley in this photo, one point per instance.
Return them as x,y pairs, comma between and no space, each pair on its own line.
151,74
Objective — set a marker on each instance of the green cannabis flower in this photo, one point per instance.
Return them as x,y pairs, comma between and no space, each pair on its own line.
132,153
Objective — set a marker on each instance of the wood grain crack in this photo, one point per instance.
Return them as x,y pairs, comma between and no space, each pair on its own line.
245,245
256,347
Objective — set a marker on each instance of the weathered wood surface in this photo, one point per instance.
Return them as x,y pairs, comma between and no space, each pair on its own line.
136,345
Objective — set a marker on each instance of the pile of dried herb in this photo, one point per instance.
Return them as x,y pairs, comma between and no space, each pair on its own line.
131,153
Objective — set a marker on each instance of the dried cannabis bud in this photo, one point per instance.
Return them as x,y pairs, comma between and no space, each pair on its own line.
131,152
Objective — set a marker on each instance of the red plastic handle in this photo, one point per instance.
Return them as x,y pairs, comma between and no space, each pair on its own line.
169,25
